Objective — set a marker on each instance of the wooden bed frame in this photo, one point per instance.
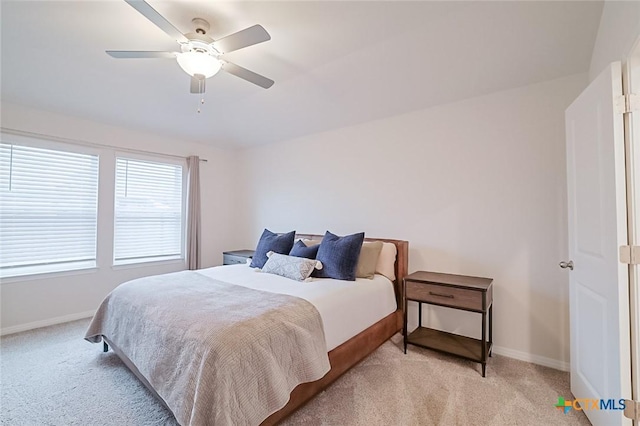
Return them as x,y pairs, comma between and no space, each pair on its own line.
358,347
343,357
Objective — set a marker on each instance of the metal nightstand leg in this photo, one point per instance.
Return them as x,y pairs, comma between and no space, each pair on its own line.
484,344
405,332
490,329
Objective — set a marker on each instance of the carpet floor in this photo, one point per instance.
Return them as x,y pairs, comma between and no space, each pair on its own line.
51,376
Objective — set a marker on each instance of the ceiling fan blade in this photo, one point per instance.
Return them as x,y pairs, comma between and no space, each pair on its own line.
151,14
197,83
132,54
245,74
247,37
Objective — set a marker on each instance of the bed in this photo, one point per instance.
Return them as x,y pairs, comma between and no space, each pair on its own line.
365,316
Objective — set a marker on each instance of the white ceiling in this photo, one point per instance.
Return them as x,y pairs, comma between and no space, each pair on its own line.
335,63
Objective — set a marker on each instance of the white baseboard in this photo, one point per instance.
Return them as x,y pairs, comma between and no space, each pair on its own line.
535,359
45,323
499,350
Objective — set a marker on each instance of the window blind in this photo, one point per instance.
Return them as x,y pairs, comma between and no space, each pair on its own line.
148,211
48,210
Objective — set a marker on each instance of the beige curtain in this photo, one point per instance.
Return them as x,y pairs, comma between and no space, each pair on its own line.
193,213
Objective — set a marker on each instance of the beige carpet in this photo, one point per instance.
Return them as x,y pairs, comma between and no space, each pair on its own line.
51,376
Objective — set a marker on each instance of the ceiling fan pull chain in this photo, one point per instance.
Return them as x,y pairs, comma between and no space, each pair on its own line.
201,103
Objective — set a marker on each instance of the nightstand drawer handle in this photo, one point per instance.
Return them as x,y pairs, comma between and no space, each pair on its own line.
450,296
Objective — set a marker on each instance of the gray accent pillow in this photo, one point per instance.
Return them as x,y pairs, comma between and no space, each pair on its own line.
292,267
369,254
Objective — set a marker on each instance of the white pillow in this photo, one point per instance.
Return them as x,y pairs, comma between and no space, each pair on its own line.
387,260
295,268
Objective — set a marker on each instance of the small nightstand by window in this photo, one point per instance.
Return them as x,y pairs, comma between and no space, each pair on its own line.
236,257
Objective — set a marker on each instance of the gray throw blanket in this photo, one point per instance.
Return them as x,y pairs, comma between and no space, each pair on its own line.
216,353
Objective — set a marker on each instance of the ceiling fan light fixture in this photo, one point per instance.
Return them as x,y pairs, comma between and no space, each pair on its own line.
198,63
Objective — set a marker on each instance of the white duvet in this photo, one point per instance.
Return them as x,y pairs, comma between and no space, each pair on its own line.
346,307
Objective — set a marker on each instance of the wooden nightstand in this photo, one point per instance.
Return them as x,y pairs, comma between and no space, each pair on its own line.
473,294
237,257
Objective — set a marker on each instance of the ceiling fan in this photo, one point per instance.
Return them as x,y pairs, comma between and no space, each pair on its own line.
200,55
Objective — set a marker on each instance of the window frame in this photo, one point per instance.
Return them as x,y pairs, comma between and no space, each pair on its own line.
57,269
158,260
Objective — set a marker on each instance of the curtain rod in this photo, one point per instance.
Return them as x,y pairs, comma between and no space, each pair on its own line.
17,132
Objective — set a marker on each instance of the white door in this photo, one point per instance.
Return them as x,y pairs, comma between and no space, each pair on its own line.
633,211
599,283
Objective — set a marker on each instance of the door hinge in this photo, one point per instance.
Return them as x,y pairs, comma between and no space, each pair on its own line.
632,410
628,103
630,255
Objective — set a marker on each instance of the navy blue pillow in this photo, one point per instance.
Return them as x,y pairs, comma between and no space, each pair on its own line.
300,249
339,256
271,242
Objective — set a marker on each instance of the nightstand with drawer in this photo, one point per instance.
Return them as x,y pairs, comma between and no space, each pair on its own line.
460,292
236,257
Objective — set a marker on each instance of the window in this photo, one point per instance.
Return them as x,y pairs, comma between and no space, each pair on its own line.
48,210
148,211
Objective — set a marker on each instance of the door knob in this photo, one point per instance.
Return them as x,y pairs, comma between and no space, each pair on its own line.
568,264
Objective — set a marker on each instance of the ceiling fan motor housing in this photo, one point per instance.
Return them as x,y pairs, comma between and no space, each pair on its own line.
201,44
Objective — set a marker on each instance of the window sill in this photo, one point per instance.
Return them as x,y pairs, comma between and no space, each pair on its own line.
148,263
47,275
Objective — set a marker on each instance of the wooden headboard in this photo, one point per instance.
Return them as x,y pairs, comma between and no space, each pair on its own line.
402,260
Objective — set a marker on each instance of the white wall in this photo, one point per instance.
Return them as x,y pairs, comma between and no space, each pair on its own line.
477,187
40,301
619,29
